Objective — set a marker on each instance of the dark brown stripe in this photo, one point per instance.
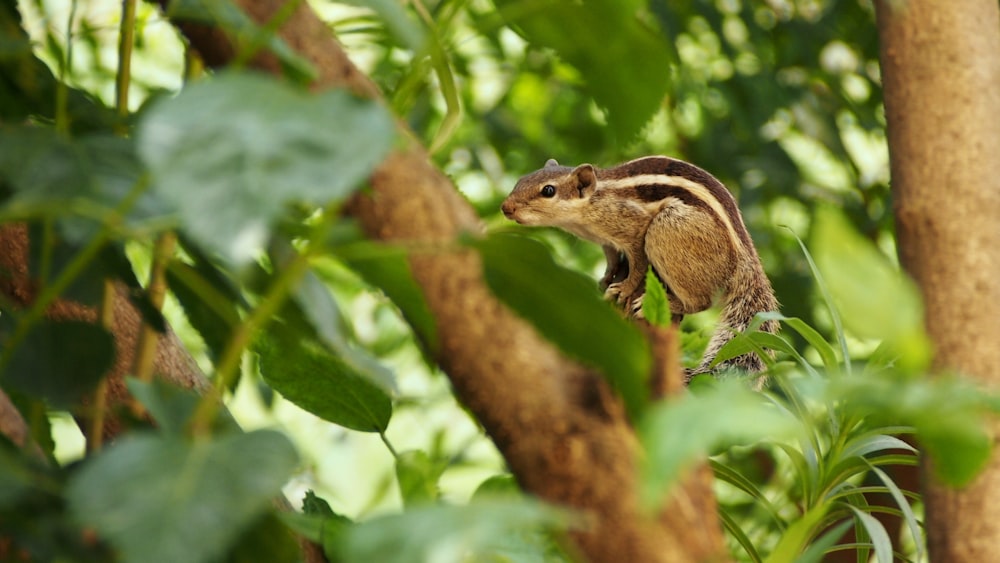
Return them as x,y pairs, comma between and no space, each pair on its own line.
673,167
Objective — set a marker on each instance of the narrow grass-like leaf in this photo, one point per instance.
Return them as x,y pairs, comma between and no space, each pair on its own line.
818,548
796,536
908,516
729,475
734,530
879,537
810,335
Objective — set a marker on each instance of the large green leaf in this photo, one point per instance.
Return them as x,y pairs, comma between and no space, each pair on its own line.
164,499
678,432
228,153
58,361
83,182
877,301
475,532
388,268
627,74
568,310
308,374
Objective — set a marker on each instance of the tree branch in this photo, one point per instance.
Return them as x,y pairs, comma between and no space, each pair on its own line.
563,433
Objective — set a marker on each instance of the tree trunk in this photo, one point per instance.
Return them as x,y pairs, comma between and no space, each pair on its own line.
941,75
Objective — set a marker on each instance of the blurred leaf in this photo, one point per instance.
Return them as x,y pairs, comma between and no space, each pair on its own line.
876,300
498,486
397,19
229,152
160,498
82,182
655,305
446,534
677,433
313,504
325,531
244,32
265,540
796,537
566,308
947,416
418,476
307,374
59,361
628,76
879,537
206,306
172,406
388,268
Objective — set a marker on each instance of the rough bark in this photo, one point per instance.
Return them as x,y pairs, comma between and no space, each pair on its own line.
941,75
562,432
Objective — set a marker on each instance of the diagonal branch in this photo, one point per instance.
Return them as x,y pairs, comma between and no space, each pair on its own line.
563,433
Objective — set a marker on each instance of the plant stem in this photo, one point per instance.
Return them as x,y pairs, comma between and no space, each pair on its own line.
126,38
95,435
229,362
145,356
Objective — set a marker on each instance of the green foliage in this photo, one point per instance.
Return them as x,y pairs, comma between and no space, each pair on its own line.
604,66
655,306
566,310
228,179
779,100
160,498
322,383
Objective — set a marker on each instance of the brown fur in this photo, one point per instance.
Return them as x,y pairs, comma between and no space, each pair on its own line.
667,214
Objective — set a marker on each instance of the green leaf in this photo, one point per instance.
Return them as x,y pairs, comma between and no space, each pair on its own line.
475,532
810,335
566,308
325,531
307,374
877,301
83,182
818,548
734,530
679,432
655,305
388,268
59,361
628,77
164,499
908,516
172,406
206,306
796,536
230,152
879,537
418,476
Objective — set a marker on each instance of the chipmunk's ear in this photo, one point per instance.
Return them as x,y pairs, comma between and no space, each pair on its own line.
586,179
551,162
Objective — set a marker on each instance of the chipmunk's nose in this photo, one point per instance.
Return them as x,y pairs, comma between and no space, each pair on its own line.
508,208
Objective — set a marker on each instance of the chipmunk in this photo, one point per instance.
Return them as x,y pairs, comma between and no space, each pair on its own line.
665,213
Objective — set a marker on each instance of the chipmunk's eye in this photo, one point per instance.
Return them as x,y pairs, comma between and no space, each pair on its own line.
548,190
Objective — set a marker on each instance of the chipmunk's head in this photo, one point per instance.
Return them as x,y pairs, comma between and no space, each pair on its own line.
550,196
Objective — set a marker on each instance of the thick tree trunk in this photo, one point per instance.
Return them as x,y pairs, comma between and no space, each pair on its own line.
564,435
941,74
